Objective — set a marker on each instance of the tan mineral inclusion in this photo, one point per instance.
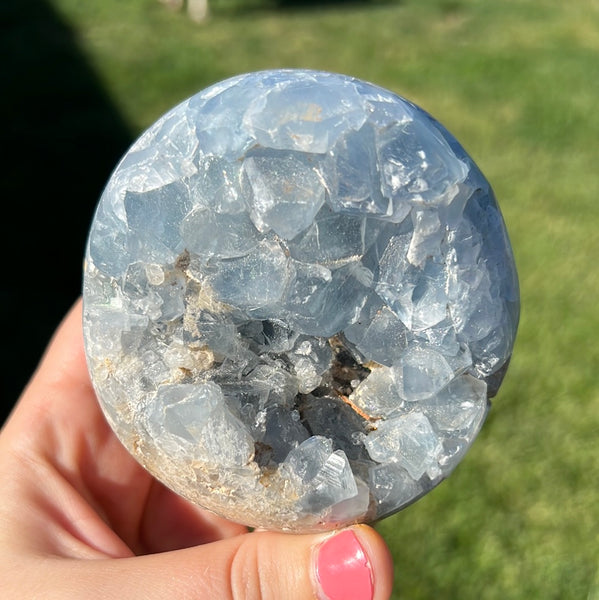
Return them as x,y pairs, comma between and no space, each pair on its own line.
299,295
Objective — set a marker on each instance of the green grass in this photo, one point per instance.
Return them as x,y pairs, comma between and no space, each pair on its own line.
517,82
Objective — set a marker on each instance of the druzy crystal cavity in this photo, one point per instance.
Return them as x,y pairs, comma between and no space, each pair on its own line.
299,295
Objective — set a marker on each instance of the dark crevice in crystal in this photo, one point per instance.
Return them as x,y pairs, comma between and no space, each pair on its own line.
333,418
262,454
345,368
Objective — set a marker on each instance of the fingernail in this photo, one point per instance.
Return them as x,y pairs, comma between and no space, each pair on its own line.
343,569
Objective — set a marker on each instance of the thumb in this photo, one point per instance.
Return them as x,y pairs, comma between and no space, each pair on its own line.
353,564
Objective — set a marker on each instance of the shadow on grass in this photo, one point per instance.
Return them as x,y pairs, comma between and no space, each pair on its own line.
62,137
245,7
312,4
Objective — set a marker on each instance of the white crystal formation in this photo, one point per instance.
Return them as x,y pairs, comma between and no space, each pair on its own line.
299,295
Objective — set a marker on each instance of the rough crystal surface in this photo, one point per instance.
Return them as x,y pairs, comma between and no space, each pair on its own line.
299,295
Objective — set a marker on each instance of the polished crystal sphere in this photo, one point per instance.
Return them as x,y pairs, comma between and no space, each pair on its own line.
299,295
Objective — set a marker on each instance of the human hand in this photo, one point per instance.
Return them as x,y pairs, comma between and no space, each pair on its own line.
81,519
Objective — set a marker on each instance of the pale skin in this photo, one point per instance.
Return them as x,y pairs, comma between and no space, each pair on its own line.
80,519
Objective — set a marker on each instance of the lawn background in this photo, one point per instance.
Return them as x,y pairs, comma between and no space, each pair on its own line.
517,82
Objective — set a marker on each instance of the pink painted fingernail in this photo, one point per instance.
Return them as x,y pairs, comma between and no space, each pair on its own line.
343,568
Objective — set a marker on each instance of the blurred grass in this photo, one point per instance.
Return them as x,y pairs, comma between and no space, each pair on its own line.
517,82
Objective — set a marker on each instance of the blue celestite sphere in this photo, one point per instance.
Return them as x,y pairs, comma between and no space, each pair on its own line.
299,295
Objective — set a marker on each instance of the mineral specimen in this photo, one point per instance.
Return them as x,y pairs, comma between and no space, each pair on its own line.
299,295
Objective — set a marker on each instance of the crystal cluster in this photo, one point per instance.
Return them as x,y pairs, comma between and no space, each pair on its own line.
299,295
